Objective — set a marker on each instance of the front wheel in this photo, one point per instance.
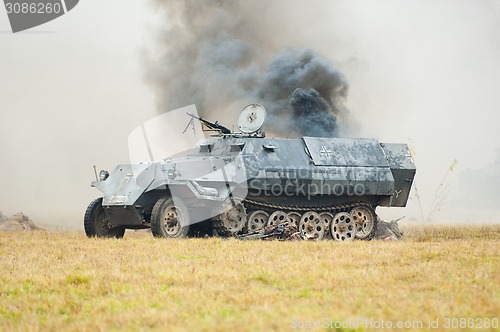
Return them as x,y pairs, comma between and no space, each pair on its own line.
169,220
96,222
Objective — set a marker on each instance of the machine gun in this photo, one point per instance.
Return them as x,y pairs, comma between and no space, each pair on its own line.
212,126
250,122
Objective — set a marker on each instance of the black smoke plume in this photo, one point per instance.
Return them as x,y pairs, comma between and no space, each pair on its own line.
217,52
311,113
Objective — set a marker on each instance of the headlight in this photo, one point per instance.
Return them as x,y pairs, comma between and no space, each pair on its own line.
103,175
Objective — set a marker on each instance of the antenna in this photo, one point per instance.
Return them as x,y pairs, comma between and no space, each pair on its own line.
190,123
252,118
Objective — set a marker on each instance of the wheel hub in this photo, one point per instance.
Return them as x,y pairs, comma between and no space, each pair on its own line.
171,220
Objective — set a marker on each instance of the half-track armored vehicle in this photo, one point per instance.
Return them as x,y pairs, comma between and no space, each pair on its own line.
237,182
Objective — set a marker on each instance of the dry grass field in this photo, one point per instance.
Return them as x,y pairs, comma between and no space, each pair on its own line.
66,282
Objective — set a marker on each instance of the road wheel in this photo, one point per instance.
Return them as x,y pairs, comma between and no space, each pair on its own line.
257,220
342,227
96,222
312,226
232,219
327,218
365,221
169,220
294,218
277,217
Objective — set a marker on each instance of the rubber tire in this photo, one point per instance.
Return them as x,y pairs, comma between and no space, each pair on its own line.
157,223
89,222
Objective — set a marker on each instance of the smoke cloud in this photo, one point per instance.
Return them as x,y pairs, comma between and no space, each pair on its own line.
312,113
217,53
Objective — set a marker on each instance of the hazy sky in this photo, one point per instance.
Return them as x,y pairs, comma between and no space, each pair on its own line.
70,92
73,89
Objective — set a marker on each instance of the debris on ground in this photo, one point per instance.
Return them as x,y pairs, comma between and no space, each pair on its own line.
388,230
286,232
282,232
17,223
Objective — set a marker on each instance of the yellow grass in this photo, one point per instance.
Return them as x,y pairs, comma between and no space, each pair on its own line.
64,281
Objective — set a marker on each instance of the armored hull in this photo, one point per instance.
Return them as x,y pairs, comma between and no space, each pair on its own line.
315,183
236,184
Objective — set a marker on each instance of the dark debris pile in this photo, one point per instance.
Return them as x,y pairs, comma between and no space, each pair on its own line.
18,222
